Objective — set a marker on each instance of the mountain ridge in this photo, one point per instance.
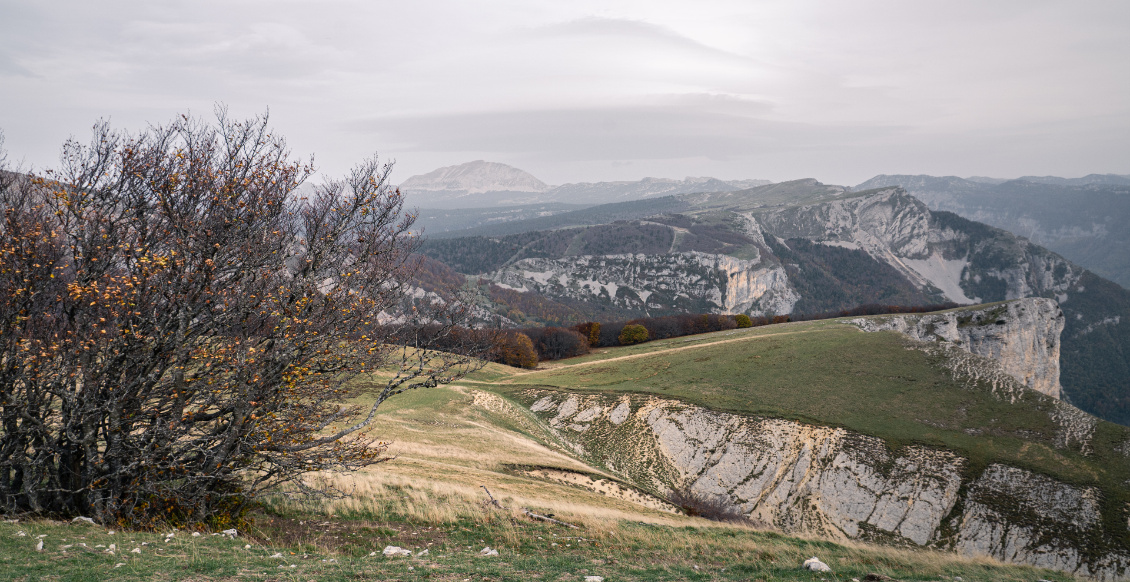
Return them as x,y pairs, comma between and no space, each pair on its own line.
752,253
481,183
1089,223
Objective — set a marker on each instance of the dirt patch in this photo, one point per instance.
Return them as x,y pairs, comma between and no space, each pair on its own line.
606,487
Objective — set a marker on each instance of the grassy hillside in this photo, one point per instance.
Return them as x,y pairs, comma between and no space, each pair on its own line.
830,373
447,443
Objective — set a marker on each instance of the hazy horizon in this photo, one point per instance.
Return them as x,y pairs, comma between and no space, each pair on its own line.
588,92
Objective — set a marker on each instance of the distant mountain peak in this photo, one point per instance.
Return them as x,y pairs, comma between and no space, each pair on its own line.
476,177
480,184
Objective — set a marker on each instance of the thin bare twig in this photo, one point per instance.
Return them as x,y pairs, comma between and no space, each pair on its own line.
492,501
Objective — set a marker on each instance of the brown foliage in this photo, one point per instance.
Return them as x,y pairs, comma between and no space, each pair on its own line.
179,328
555,343
715,508
517,349
521,306
590,331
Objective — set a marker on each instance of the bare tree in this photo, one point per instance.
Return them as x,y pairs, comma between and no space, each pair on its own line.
182,328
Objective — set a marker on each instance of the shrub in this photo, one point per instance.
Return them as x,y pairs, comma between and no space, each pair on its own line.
181,329
633,334
743,320
555,343
610,333
590,330
517,349
712,507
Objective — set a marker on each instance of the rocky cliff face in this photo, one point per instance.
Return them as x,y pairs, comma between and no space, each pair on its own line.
692,281
815,479
1023,336
941,260
962,262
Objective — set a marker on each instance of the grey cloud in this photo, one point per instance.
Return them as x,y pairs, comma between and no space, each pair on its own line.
9,67
620,133
622,29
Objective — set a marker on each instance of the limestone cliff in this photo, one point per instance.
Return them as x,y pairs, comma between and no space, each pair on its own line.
1023,336
692,281
806,478
962,264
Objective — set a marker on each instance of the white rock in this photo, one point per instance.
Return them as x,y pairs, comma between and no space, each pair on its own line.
594,578
230,532
247,547
39,546
119,564
396,551
487,551
814,564
195,534
83,519
422,552
135,551
277,555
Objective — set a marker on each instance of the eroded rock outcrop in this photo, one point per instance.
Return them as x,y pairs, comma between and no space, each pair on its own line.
1023,336
692,281
807,478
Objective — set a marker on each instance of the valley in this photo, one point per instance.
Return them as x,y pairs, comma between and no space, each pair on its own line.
798,248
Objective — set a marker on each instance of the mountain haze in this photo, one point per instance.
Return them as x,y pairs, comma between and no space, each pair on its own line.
485,184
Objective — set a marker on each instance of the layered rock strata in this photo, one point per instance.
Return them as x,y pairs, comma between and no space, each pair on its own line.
815,479
1023,336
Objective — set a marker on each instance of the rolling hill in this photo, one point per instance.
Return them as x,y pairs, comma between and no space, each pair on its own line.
822,428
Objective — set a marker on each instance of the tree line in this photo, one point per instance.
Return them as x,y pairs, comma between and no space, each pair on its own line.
524,348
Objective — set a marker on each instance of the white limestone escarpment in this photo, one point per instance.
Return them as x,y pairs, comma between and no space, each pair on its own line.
895,228
814,479
1022,335
693,281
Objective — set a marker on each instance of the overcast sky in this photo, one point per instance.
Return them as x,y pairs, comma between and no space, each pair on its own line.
587,91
